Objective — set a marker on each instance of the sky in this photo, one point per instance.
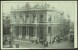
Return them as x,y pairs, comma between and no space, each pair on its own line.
69,7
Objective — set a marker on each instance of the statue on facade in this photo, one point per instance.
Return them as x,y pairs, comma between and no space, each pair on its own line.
27,6
46,5
36,6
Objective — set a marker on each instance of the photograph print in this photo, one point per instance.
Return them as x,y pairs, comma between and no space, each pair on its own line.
38,24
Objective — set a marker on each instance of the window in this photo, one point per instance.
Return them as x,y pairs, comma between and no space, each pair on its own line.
31,33
21,20
49,29
17,31
33,20
49,19
27,20
41,18
54,18
15,17
20,17
23,32
41,32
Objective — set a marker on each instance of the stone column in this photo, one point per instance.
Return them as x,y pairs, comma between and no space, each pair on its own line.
26,31
20,32
16,31
51,35
36,18
12,18
47,33
46,18
35,31
11,30
29,18
27,36
17,18
24,18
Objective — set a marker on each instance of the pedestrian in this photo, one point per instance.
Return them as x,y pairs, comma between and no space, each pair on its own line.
17,45
10,42
36,42
54,39
45,44
11,46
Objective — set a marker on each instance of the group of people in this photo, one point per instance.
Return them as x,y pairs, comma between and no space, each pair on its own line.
40,41
7,41
56,39
59,38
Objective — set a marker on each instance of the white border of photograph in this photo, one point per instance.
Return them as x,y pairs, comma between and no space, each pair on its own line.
75,26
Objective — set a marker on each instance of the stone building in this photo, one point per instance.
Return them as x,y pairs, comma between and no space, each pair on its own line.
39,21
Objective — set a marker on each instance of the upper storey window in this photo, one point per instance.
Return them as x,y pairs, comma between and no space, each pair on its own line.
15,17
54,18
27,20
33,20
49,19
14,20
41,19
23,16
21,21
57,18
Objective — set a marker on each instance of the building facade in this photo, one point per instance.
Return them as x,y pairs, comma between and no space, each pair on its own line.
36,22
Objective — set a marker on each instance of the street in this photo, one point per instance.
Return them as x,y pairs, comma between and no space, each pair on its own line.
28,44
61,45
